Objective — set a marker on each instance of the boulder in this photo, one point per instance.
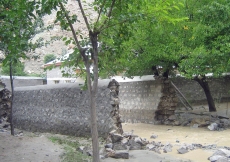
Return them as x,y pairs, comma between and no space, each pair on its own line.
167,148
140,141
223,152
116,137
182,150
225,122
133,145
150,147
119,154
125,141
218,158
154,136
109,145
213,127
119,146
128,134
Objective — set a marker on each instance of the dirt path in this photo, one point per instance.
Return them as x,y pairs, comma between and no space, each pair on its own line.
28,149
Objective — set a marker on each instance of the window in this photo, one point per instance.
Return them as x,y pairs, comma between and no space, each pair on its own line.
56,81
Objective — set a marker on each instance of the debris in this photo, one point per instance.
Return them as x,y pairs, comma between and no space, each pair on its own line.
116,137
154,136
119,154
182,150
213,127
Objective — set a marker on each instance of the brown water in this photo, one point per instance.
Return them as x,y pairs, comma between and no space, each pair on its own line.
184,135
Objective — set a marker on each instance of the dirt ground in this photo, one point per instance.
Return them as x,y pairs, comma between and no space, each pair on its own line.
31,147
28,148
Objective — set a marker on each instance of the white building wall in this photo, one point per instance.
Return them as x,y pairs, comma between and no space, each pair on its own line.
54,76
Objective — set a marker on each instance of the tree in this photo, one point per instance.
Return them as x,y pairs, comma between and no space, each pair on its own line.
112,14
195,46
18,24
209,52
89,58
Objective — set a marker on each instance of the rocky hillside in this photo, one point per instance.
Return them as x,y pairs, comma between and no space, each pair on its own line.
57,48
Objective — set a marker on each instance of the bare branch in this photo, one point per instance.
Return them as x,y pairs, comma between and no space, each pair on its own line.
111,9
71,26
74,33
84,16
108,15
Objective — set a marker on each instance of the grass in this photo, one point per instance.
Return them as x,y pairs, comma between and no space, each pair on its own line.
71,146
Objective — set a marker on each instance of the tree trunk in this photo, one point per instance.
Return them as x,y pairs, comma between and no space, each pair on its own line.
91,88
93,96
12,98
204,84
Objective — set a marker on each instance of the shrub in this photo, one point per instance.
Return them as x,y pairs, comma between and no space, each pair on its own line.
49,57
17,69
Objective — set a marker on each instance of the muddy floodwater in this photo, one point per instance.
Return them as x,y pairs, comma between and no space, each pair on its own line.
186,135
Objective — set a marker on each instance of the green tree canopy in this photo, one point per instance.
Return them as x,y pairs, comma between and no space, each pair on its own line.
150,39
209,50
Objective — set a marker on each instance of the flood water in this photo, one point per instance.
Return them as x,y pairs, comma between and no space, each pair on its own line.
184,135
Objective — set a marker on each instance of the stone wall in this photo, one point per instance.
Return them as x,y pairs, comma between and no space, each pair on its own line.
62,108
139,100
219,87
22,81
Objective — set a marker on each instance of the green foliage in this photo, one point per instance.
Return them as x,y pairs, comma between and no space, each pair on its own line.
49,57
17,69
162,35
209,47
18,25
151,39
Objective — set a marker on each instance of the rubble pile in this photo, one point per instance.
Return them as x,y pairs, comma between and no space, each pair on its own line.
118,146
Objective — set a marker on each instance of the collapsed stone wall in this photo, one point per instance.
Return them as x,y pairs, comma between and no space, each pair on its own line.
61,109
115,101
168,103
